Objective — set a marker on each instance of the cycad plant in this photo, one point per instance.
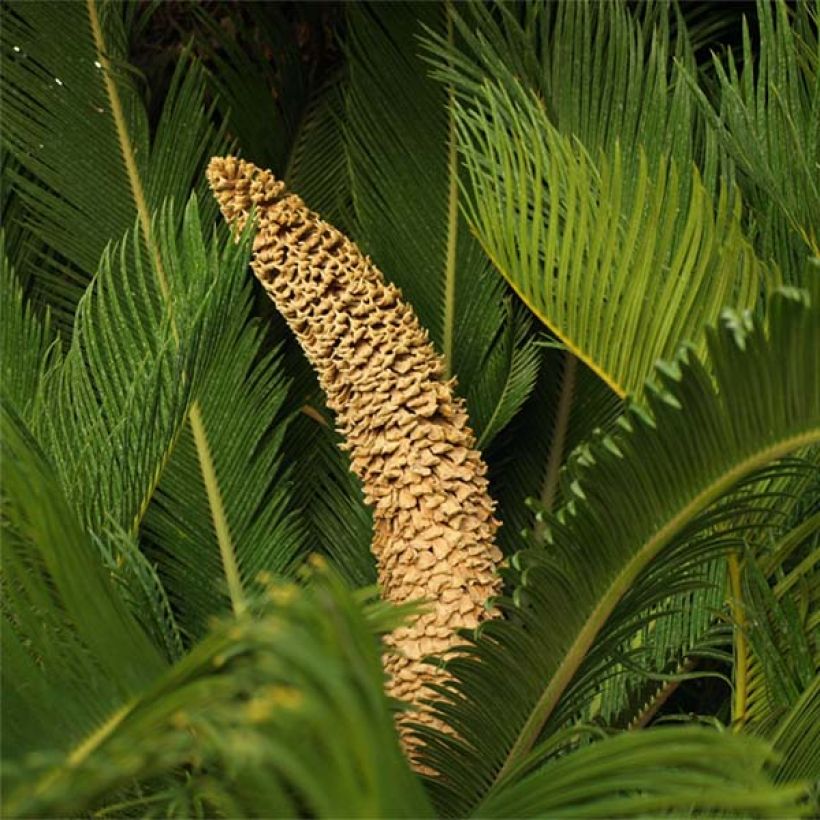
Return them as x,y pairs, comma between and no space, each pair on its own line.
585,236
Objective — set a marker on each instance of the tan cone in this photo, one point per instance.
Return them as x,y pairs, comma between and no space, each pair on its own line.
406,432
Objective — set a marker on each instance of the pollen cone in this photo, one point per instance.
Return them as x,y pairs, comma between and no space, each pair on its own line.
406,432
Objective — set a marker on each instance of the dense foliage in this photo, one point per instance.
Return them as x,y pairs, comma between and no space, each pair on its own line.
606,215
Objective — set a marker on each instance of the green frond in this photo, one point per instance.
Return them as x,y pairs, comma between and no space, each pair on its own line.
768,119
623,269
317,165
74,122
71,650
797,741
525,460
605,74
405,173
651,773
28,345
272,703
701,622
781,591
241,397
330,498
116,405
513,363
140,587
258,77
647,512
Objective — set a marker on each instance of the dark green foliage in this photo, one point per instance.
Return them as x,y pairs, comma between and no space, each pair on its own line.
593,217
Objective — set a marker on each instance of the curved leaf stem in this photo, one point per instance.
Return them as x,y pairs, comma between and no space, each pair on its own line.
220,520
568,343
78,755
741,670
644,555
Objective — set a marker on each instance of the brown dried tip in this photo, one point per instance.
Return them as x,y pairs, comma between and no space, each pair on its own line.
406,432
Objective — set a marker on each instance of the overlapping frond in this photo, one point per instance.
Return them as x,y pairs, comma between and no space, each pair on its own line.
241,400
653,772
116,405
767,118
28,345
606,75
72,653
75,124
623,269
131,397
271,702
261,82
781,592
647,512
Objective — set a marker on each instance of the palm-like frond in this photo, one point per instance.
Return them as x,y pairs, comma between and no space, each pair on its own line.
124,388
652,772
72,115
28,345
405,173
781,591
271,702
330,497
645,516
797,740
604,75
241,400
622,270
317,165
167,306
71,651
260,81
768,119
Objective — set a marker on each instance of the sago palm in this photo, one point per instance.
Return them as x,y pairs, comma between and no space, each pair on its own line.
554,268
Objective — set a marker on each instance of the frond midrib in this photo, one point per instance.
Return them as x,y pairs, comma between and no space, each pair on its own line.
227,548
576,653
452,220
570,344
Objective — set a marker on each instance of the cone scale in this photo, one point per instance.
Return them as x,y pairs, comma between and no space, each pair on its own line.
405,430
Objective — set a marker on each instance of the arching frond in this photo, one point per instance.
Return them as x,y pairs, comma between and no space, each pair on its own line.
606,74
331,499
76,125
645,512
622,270
94,721
653,772
117,403
768,119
